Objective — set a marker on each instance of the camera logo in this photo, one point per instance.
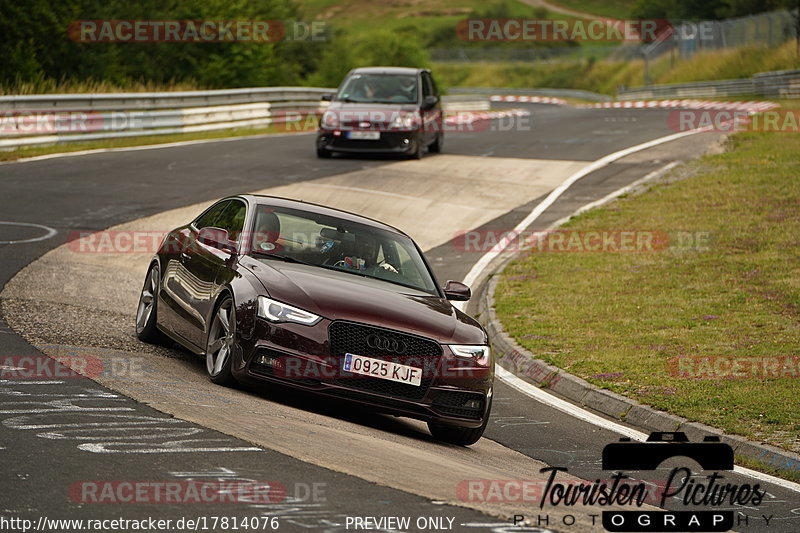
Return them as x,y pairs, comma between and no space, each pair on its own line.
682,484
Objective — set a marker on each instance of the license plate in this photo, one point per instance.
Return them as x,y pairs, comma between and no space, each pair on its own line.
364,135
378,368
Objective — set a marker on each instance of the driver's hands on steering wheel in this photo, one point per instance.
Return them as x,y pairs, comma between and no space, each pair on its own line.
388,266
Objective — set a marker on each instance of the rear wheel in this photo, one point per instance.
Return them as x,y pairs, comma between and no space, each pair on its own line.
146,312
458,435
221,344
323,153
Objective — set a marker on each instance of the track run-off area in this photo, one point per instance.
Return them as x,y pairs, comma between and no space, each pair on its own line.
154,416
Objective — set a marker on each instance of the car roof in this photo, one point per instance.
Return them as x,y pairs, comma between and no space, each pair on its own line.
278,201
388,70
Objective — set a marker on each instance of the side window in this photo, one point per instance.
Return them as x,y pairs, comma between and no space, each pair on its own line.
232,219
209,218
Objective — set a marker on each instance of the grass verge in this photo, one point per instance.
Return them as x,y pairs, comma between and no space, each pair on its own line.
145,140
606,76
623,321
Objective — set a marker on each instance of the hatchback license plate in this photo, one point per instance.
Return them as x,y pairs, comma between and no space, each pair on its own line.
364,135
378,368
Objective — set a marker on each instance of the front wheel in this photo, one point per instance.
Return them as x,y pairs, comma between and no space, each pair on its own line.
221,344
458,435
146,312
438,144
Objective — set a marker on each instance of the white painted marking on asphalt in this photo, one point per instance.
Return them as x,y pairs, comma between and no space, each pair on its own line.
545,397
478,268
582,414
49,232
148,147
612,195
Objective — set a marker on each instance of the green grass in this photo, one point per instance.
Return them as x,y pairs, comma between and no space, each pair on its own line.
625,315
431,24
606,76
145,140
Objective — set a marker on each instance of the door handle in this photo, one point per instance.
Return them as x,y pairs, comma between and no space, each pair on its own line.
184,257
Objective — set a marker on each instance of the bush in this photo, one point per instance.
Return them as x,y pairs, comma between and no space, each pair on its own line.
378,49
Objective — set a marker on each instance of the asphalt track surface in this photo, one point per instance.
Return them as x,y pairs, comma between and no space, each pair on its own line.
49,428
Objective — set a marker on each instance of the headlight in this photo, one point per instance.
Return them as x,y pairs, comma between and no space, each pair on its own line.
275,311
330,120
476,352
405,121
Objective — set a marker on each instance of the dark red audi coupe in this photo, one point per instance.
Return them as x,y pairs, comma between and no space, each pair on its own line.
272,290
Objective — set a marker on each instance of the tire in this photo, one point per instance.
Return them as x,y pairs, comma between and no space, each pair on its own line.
146,310
221,343
420,151
438,144
458,435
323,154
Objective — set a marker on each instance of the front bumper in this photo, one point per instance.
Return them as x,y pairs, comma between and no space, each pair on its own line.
452,392
390,142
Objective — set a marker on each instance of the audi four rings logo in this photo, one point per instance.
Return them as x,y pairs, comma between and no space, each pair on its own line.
386,344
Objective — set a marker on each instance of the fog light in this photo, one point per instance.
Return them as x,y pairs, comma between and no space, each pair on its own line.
473,404
406,141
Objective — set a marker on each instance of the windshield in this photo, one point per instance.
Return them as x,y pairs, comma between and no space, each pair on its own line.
336,244
379,88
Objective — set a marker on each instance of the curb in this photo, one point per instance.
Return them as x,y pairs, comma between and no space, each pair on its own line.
523,363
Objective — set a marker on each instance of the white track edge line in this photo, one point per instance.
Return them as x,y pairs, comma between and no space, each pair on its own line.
540,208
138,148
547,398
582,414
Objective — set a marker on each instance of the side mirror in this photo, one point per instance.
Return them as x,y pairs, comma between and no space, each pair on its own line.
457,291
216,237
327,97
429,101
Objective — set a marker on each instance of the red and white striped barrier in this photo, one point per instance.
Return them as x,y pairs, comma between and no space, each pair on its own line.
524,99
752,106
468,117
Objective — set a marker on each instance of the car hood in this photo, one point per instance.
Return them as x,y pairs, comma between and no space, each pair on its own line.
343,296
356,107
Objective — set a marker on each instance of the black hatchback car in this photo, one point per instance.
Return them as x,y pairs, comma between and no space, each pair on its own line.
383,110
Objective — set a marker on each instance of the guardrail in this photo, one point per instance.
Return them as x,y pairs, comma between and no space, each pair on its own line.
779,84
27,120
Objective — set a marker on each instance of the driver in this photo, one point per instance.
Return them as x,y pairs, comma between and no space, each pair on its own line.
408,88
268,231
368,89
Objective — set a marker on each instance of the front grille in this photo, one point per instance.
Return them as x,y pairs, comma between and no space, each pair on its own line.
350,337
453,403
